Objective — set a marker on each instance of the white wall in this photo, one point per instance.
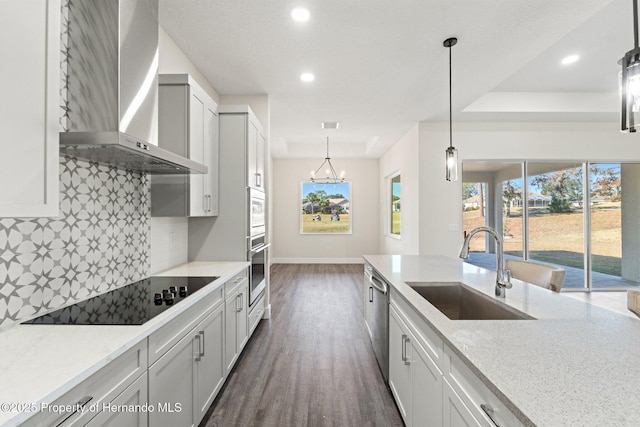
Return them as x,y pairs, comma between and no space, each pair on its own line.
174,61
440,201
289,246
401,158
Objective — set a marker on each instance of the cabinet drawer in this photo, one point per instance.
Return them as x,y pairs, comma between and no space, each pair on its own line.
231,284
166,337
475,394
122,411
432,342
256,314
101,388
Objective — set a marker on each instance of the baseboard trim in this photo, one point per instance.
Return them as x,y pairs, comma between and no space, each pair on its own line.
317,261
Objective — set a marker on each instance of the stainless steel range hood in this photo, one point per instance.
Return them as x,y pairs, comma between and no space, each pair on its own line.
111,79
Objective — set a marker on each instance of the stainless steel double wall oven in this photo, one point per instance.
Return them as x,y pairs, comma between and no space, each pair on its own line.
257,246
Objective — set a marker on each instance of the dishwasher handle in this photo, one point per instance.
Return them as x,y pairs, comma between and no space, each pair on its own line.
379,285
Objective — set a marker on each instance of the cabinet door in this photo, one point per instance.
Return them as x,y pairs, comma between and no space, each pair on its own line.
113,415
29,153
211,151
426,387
171,386
243,316
197,199
210,368
260,160
252,155
455,412
231,330
399,370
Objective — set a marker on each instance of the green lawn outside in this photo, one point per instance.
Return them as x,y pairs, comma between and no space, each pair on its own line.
325,226
395,223
557,238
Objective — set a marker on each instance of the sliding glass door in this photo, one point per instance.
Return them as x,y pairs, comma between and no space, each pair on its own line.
583,217
555,209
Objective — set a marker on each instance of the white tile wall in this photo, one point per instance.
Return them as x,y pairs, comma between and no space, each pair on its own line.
169,243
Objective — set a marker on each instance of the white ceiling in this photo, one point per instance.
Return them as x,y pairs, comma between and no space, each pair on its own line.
380,65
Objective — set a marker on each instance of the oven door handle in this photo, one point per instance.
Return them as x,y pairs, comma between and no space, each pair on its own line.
259,248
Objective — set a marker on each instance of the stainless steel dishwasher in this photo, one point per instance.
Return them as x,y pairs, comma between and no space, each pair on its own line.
378,312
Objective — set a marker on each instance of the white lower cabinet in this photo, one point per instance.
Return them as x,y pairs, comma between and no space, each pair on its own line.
210,368
171,386
171,378
432,386
455,412
106,387
129,409
186,379
470,393
414,379
236,323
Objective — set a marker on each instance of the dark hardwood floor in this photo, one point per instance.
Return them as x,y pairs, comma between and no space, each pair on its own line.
312,363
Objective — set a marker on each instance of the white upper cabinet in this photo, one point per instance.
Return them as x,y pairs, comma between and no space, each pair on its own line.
255,155
29,150
188,125
250,136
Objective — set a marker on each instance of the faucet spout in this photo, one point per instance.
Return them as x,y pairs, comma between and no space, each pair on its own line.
503,277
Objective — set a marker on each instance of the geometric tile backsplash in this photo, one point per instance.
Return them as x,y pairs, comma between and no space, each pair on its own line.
99,241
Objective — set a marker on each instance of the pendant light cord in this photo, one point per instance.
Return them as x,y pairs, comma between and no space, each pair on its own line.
450,97
635,23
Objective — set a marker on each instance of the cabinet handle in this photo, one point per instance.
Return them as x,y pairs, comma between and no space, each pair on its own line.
79,405
405,358
404,350
489,411
201,333
240,295
370,293
199,353
258,180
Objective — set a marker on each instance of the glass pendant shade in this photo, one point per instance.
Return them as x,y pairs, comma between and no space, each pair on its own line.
630,91
451,159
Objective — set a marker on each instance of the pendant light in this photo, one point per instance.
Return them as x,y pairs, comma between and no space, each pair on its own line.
630,81
332,176
451,155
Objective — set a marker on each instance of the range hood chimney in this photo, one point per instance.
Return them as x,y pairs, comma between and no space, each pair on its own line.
111,109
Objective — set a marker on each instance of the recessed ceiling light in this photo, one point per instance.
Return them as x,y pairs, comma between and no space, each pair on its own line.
570,59
307,77
300,14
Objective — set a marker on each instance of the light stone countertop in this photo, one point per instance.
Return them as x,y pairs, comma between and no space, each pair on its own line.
39,363
575,365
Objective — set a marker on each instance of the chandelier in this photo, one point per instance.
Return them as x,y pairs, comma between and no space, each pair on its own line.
332,177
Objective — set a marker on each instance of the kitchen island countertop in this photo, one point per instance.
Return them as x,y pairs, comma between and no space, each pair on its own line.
39,363
575,365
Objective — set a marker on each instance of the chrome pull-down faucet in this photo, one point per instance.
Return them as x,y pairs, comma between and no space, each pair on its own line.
503,277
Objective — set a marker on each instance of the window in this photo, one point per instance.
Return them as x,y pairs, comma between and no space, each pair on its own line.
579,216
395,202
325,208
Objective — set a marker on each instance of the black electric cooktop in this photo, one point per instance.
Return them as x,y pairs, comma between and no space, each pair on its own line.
133,304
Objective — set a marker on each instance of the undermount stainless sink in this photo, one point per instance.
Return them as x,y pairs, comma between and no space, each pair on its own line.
459,302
